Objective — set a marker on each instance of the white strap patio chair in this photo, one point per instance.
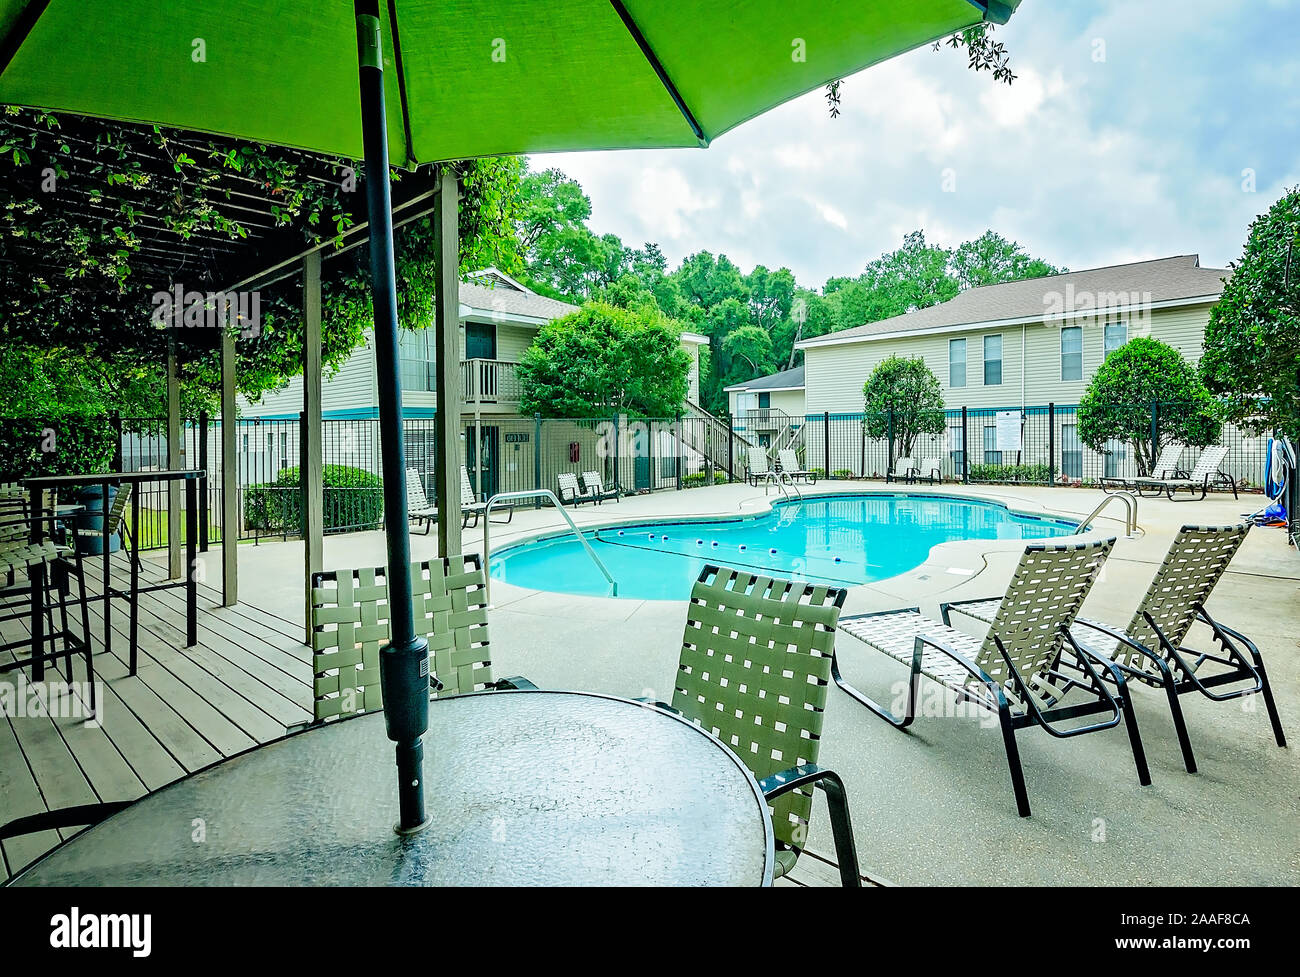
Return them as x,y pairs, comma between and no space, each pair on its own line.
417,505
472,507
1166,466
570,492
930,470
594,485
1206,474
790,466
904,470
1012,671
758,470
1150,648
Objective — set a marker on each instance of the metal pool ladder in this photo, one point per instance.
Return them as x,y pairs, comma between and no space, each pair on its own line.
535,494
1131,506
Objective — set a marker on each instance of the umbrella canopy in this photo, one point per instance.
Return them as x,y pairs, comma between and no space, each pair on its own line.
462,78
439,80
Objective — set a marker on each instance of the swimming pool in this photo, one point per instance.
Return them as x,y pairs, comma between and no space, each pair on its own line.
843,540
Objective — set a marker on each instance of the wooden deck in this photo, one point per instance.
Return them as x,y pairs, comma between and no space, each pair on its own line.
246,681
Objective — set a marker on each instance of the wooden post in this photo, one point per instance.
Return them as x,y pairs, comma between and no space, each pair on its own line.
174,462
229,475
449,378
311,465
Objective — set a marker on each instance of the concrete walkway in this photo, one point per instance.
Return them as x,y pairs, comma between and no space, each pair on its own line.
933,805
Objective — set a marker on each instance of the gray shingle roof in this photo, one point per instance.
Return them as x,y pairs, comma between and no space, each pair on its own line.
1165,279
786,378
505,298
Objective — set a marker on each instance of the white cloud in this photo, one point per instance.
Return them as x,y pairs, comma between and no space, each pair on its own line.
1084,162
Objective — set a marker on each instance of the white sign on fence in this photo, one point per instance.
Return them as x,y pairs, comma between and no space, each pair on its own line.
1008,430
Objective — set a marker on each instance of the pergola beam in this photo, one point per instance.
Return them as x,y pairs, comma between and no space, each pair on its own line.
447,362
229,475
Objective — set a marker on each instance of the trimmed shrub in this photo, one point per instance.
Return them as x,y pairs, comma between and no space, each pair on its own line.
353,499
697,480
1009,473
841,473
67,445
819,473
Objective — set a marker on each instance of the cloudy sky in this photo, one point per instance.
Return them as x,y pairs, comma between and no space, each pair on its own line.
1134,130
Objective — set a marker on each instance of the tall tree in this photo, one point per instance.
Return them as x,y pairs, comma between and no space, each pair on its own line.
991,259
902,400
1252,342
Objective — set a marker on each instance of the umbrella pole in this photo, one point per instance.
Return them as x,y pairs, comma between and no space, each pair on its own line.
404,661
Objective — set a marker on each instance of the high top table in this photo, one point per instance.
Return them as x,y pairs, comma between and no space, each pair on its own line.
191,478
525,787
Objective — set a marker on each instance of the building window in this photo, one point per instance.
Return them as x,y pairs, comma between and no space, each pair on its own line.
1071,452
956,362
956,438
284,449
764,400
992,360
1116,335
1072,353
1115,457
992,456
415,349
245,444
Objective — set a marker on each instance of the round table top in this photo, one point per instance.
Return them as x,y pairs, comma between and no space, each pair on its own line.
523,788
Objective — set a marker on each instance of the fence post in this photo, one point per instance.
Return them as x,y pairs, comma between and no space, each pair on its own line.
826,441
678,453
618,485
965,449
731,451
537,458
1051,444
203,481
1155,436
889,436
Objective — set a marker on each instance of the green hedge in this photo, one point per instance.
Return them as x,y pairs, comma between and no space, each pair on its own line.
698,480
353,499
1009,473
838,473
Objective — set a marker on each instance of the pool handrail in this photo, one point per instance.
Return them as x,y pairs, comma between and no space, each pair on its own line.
535,494
1131,517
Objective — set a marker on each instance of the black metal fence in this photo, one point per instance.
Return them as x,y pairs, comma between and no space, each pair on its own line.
1036,445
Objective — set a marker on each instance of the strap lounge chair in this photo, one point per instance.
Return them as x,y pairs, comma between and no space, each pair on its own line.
754,671
417,505
1166,467
471,507
758,470
791,468
570,492
594,486
1151,650
1012,671
904,471
1205,475
349,621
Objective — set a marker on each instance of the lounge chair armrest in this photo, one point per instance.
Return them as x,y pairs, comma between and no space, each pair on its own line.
515,682
948,605
966,663
1230,632
806,774
1122,638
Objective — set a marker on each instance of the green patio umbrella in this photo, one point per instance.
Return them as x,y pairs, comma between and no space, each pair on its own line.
441,80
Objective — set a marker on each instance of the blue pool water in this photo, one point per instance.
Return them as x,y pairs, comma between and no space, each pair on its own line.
842,540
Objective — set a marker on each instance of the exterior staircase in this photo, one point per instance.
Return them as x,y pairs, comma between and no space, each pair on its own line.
708,435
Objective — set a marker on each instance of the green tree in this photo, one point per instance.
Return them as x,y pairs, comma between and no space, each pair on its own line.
1252,342
603,360
903,397
1120,395
991,258
749,352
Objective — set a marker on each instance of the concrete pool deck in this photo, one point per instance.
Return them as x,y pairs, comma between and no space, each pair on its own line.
933,805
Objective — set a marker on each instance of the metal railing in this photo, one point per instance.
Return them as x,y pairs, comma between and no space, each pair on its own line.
535,494
1130,505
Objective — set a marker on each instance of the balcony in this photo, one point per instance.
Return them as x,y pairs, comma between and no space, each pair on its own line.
490,383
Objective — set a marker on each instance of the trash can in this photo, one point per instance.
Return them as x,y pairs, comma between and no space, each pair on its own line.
90,521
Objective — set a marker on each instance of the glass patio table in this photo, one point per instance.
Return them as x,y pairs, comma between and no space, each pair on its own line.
524,788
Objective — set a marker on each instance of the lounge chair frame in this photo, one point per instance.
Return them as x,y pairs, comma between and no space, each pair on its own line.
902,473
593,484
1025,707
1204,475
1166,467
1166,662
795,471
570,492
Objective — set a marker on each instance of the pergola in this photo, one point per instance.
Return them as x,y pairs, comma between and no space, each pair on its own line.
266,248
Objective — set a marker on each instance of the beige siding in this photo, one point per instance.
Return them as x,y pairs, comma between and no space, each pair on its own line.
351,388
835,374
